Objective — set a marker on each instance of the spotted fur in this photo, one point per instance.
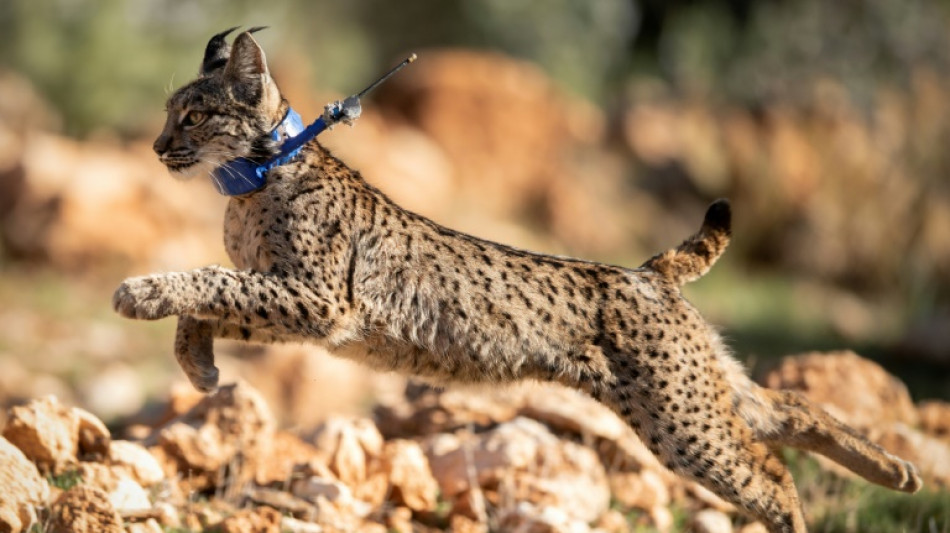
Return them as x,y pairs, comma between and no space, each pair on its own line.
324,257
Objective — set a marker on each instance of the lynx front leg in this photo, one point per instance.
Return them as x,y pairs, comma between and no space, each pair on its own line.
194,347
253,300
194,350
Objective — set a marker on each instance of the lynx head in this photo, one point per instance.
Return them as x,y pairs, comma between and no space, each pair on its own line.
224,114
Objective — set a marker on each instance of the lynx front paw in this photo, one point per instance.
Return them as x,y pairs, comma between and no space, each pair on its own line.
141,298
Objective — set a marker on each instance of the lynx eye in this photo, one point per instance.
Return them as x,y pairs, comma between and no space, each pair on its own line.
193,118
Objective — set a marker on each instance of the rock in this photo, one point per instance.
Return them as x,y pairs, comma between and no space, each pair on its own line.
129,496
534,465
523,120
24,489
302,384
567,410
292,525
851,388
231,428
281,500
94,437
352,445
706,497
68,184
399,520
314,488
545,519
125,494
259,520
55,436
141,465
934,419
288,452
639,490
463,524
409,475
612,521
662,518
148,526
431,411
46,431
84,509
710,521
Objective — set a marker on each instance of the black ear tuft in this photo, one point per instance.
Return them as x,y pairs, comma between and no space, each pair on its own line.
216,52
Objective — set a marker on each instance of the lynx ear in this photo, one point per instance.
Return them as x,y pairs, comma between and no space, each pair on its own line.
247,60
216,53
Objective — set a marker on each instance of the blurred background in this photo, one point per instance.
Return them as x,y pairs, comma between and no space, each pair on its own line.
595,129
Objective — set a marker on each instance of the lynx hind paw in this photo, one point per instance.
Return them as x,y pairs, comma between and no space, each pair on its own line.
141,298
911,481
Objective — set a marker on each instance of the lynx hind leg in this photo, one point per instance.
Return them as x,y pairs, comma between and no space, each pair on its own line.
194,350
797,422
702,441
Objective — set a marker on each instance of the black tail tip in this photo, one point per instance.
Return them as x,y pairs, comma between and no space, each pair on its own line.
719,216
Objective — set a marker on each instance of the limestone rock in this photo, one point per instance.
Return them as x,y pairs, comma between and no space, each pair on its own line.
23,489
544,519
532,464
710,521
853,389
129,496
231,428
409,475
292,525
935,419
46,431
94,438
639,490
84,509
141,465
352,445
259,520
288,453
463,524
399,520
613,521
147,526
429,411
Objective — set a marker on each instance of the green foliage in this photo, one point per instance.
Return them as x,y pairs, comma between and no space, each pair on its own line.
66,480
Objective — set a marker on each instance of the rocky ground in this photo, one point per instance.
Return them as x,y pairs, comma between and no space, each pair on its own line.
532,458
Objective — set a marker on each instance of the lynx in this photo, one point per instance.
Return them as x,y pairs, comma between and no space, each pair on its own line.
324,257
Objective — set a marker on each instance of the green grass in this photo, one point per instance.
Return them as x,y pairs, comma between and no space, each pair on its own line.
838,505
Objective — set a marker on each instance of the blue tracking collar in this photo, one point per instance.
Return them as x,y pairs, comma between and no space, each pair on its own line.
242,176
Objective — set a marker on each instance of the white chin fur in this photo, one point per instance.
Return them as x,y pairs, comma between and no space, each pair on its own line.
187,173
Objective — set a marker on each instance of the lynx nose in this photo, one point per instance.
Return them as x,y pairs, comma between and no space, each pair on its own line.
161,144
